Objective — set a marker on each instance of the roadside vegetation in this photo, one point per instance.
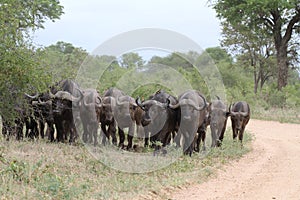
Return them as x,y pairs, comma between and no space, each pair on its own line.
42,170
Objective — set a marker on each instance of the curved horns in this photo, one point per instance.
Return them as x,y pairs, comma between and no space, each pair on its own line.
139,103
175,106
99,105
66,95
121,103
31,97
244,114
204,103
191,103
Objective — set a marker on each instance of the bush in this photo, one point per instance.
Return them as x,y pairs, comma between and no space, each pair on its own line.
292,95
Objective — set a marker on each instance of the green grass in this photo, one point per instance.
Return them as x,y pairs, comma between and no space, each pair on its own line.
42,170
283,115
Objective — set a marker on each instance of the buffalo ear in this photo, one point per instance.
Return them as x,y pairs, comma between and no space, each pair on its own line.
134,107
168,102
227,114
209,107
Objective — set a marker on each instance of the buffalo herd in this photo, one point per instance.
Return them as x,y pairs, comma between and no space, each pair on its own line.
66,112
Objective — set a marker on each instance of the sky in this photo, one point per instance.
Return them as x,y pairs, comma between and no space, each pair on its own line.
89,23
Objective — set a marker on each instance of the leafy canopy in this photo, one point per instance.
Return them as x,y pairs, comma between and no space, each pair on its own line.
20,70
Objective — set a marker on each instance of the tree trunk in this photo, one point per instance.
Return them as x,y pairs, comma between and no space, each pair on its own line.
282,64
256,80
281,44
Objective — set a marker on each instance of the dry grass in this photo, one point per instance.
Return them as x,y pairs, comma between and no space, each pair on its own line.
42,170
284,115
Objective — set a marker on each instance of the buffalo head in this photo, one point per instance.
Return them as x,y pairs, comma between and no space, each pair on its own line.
239,113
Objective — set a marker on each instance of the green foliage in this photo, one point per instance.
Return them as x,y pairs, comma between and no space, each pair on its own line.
292,95
30,14
276,98
20,68
260,28
219,54
252,12
130,60
145,91
61,60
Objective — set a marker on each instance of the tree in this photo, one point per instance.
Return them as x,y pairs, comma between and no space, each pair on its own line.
252,49
274,18
20,70
129,60
62,60
218,54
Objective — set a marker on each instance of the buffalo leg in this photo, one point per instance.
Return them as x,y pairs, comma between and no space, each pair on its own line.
95,133
105,135
42,127
6,130
235,133
177,139
241,134
213,136
234,130
90,133
35,128
130,136
188,146
153,140
85,133
73,133
219,142
27,125
196,145
50,130
121,137
201,137
68,132
146,136
112,132
19,129
59,132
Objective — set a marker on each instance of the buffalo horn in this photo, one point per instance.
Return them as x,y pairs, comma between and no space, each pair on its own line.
191,103
139,103
31,97
175,106
67,95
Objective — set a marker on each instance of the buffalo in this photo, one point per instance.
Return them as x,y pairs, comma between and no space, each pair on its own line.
64,102
34,122
43,106
125,115
192,114
107,114
65,97
8,128
218,116
119,110
90,108
240,116
57,107
159,119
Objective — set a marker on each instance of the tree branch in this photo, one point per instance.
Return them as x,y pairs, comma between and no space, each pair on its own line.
289,30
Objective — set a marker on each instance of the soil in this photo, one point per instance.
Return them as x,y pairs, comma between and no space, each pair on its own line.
270,171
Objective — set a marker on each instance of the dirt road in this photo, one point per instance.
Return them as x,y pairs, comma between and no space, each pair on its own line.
270,171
